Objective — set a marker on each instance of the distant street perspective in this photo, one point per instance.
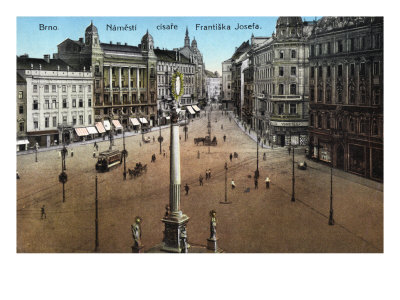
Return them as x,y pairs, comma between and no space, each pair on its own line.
257,219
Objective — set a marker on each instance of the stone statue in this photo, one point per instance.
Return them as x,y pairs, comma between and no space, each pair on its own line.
184,244
166,211
137,233
213,225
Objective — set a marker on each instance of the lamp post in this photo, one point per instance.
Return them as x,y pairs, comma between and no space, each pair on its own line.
331,220
110,135
226,185
185,128
62,178
96,222
36,150
293,178
209,127
124,152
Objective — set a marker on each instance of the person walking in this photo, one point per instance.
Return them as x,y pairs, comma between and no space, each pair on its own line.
198,154
18,176
265,156
255,183
224,137
94,153
95,145
267,181
43,213
72,152
186,189
201,180
288,149
164,152
233,185
230,157
222,127
209,173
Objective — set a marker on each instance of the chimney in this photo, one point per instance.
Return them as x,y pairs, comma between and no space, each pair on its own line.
110,42
46,57
126,44
118,43
81,39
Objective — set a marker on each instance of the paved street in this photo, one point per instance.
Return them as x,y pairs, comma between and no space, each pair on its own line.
258,220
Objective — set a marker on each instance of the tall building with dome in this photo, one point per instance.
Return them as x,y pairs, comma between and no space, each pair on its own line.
125,81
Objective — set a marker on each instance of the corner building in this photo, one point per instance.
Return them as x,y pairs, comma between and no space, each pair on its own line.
125,81
346,94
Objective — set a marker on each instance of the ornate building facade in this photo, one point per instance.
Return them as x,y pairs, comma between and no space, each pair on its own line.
346,94
281,89
227,84
125,81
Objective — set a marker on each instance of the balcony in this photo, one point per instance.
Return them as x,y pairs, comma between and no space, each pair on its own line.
285,117
286,97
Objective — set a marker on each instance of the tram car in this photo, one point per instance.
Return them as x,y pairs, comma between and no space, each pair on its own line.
108,159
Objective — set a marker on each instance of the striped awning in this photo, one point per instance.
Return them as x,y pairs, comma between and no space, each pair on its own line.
100,127
81,131
143,120
196,108
117,124
22,142
135,122
107,124
190,109
91,130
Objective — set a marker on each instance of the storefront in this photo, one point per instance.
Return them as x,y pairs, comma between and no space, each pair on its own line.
22,145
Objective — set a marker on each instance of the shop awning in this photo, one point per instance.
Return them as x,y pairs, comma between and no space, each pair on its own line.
107,124
22,142
167,118
143,120
117,124
81,131
100,127
135,122
91,130
196,108
190,109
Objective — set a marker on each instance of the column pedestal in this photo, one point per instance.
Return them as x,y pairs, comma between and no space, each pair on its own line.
173,227
136,249
212,244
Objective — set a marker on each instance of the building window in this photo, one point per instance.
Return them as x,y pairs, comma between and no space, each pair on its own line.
312,72
281,109
46,88
281,89
20,94
312,50
312,98
64,88
362,69
54,103
21,109
47,104
80,89
293,54
81,119
328,71
340,71
351,41
293,89
65,103
53,88
65,119
352,69
35,88
89,102
328,48
80,103
73,102
311,120
320,72
376,96
21,126
375,130
319,121
89,119
281,55
328,122
46,122
293,71
320,49
340,46
89,88
352,95
363,93
364,127
74,88
73,120
54,121
280,71
328,95
35,105
376,68
320,94
35,124
97,84
293,110
351,125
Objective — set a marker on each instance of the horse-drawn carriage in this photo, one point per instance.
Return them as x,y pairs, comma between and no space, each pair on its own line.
138,170
146,139
206,141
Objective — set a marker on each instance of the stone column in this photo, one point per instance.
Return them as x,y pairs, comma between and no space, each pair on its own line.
111,87
137,84
175,222
129,86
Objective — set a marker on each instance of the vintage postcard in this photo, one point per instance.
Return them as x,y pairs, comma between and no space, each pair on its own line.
199,134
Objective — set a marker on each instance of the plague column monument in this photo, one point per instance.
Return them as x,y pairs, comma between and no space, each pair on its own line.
175,222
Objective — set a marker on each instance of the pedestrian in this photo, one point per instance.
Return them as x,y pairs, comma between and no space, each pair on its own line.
95,145
18,176
230,157
186,188
43,213
267,181
164,152
198,154
72,152
206,174
288,149
209,173
233,184
222,127
94,154
265,156
201,180
140,143
224,137
255,183
154,139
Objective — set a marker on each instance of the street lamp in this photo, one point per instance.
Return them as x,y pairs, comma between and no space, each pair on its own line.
36,151
209,128
293,179
226,185
185,128
110,135
96,222
62,178
124,152
331,220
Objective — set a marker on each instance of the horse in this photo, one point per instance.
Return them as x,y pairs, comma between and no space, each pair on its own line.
235,155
